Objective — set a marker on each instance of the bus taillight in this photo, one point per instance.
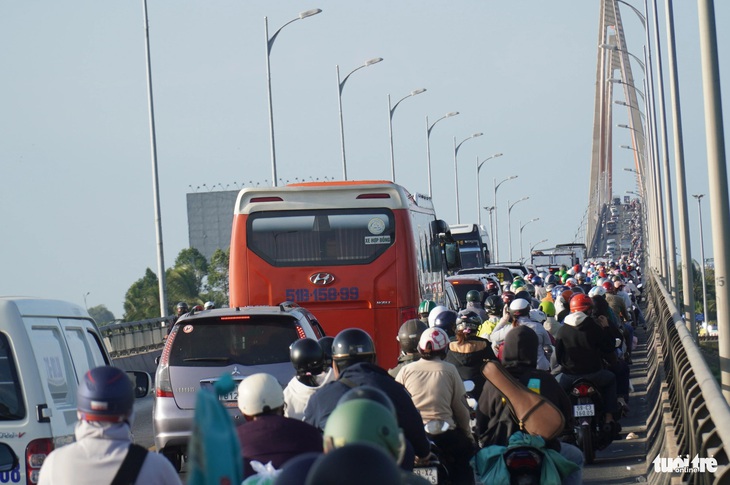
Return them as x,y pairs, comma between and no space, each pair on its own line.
408,313
373,196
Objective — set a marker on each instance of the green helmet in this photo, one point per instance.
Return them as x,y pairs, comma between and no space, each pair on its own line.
517,285
473,295
426,306
364,420
548,308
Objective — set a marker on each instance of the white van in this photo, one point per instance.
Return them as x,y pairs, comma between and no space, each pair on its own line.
46,346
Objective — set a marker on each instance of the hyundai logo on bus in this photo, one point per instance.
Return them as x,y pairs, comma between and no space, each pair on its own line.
322,279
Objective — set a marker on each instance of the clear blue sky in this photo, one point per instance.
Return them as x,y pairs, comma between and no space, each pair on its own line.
76,202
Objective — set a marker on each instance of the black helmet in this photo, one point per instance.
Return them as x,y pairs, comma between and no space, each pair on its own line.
408,335
468,322
372,393
361,463
326,344
524,295
295,470
351,346
446,321
307,357
105,394
182,307
473,295
494,305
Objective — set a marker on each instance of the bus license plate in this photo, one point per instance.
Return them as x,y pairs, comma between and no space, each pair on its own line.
428,472
583,410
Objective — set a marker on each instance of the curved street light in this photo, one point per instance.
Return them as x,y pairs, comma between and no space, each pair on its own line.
615,48
390,126
479,199
340,87
631,106
428,146
456,170
496,224
619,81
509,221
522,226
532,248
269,45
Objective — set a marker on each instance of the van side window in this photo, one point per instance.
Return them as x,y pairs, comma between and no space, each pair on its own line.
54,365
12,405
82,346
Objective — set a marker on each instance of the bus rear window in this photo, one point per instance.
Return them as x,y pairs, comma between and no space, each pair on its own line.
321,237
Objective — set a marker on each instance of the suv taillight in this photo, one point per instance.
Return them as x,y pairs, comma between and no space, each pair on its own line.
35,454
163,386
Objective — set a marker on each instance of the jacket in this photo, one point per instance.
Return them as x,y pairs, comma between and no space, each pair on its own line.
323,401
468,358
579,349
297,394
97,454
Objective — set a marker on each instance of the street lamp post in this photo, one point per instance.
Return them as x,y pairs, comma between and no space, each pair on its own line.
479,199
456,171
522,226
490,209
340,87
390,126
615,48
619,81
269,45
702,256
509,222
428,146
532,248
85,305
496,224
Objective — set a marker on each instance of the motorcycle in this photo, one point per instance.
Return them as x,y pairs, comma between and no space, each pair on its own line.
524,464
432,469
590,428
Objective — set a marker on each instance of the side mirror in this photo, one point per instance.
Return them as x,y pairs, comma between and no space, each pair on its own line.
8,458
141,381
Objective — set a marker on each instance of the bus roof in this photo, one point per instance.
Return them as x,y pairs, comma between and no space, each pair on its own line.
329,195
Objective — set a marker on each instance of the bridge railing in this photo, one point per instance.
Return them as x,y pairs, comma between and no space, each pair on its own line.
694,404
128,338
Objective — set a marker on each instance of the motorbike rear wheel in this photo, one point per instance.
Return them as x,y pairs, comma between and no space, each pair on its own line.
585,441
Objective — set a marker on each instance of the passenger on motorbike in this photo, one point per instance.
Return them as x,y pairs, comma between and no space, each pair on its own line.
579,353
519,311
469,351
307,357
620,310
496,422
261,401
439,394
353,362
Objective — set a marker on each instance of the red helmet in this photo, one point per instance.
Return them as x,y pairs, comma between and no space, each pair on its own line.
507,297
608,286
581,303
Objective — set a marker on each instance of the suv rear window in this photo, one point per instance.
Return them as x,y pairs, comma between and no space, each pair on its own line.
12,405
226,340
463,288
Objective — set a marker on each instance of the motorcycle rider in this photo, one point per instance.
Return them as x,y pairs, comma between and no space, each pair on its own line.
307,357
424,308
474,303
496,423
469,351
408,335
579,353
105,410
438,393
353,363
494,307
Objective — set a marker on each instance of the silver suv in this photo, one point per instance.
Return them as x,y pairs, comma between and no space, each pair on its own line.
204,345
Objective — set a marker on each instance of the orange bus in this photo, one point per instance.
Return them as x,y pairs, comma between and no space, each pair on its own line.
356,254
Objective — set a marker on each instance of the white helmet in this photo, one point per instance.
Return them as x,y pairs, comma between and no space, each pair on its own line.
208,305
435,313
259,393
537,315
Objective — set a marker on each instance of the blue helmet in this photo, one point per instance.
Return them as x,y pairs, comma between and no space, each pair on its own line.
105,394
446,321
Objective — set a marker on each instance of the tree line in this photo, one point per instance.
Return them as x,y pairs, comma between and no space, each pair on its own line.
193,279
